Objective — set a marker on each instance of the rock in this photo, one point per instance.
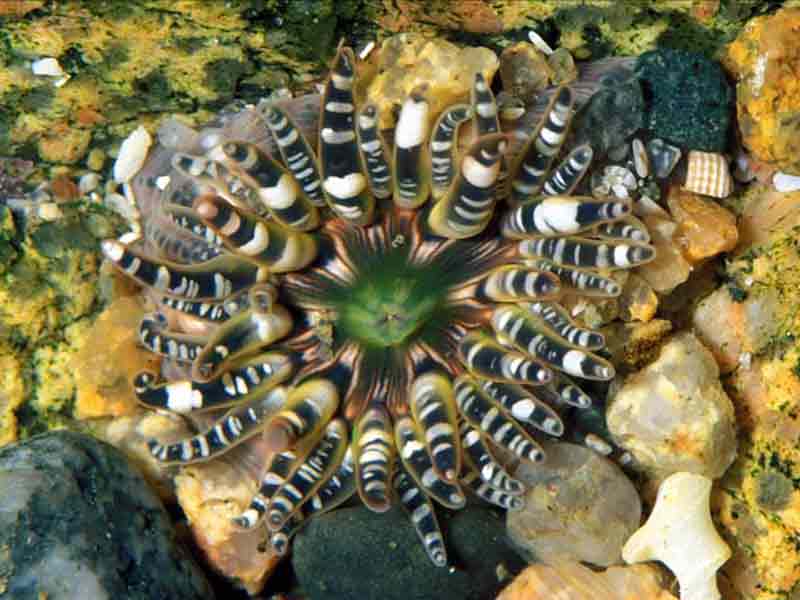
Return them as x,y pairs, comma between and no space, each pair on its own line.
679,533
408,60
669,269
632,345
211,494
638,301
525,71
579,506
673,415
689,101
765,58
784,182
78,522
705,228
573,581
563,67
612,115
109,357
64,144
391,563
132,154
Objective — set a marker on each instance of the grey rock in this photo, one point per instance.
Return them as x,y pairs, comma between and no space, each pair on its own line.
356,554
76,521
611,117
673,415
580,506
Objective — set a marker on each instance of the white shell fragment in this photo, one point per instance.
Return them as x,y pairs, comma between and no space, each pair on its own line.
663,157
616,181
784,182
132,155
708,174
47,67
680,534
537,41
640,160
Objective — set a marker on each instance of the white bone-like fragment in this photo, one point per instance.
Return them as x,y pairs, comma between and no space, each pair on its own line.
132,155
680,534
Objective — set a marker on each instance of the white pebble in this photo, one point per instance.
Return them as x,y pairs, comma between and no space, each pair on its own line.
132,155
784,182
537,41
162,182
746,360
367,50
48,67
49,211
88,183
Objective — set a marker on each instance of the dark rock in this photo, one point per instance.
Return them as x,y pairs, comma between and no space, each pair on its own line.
76,521
355,554
688,99
611,117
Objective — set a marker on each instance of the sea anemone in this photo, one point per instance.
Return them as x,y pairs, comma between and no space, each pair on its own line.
385,316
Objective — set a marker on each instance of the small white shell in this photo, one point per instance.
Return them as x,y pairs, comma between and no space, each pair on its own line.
784,182
537,41
663,157
47,67
88,183
640,160
132,155
708,174
680,534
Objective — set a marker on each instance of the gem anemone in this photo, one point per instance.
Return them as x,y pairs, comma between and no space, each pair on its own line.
385,316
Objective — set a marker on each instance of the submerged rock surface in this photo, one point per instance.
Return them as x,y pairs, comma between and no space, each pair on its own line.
76,521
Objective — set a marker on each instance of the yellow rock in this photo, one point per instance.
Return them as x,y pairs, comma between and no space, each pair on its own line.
573,581
765,58
12,392
670,268
408,60
705,228
638,301
524,71
108,359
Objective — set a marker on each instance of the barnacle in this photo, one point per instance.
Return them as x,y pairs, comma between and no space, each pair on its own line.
386,317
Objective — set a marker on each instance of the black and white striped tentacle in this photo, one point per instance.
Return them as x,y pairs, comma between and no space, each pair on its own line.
530,170
558,320
568,174
588,254
524,406
266,243
417,463
234,427
308,409
412,168
186,219
275,186
215,279
444,140
181,347
483,414
320,464
483,462
296,152
336,490
181,249
374,152
467,207
243,334
209,177
472,481
374,452
584,281
245,383
434,410
419,507
484,357
526,334
628,228
569,392
514,283
560,215
212,312
343,178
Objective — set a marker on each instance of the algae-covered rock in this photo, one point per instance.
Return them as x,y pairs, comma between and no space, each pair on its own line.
765,59
355,553
77,522
688,100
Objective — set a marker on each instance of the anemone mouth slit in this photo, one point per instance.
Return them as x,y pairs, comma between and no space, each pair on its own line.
386,317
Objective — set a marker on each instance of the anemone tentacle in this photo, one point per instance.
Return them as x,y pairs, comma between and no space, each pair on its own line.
375,311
